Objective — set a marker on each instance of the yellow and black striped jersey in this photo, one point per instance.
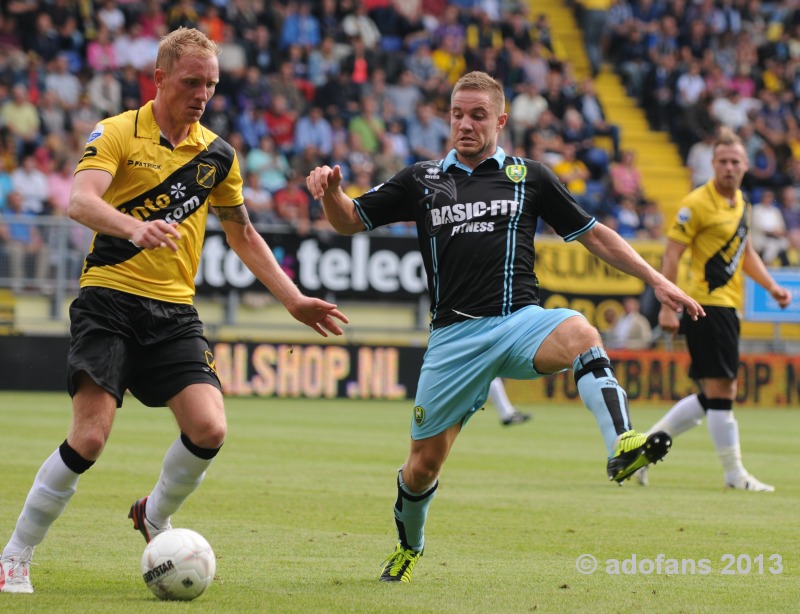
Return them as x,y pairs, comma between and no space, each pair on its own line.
152,180
715,231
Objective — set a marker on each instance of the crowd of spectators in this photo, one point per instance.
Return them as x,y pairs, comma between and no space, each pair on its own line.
695,65
366,85
362,84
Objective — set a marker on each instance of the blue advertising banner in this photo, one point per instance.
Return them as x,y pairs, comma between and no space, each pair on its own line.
759,306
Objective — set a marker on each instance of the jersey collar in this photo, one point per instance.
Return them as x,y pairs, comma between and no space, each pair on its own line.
721,201
451,160
147,128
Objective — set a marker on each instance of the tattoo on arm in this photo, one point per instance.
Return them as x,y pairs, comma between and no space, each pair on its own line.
233,214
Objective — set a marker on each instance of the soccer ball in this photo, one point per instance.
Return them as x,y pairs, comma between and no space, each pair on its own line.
178,564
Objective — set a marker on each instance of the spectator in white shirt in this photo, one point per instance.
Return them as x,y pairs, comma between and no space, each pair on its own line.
110,15
733,109
768,230
690,86
526,109
67,86
31,183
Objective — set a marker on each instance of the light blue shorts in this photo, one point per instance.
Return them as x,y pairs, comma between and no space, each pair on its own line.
462,360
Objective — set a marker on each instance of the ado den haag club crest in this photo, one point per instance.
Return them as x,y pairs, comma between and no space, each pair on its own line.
516,172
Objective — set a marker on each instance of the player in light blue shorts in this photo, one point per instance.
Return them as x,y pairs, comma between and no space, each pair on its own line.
476,213
463,359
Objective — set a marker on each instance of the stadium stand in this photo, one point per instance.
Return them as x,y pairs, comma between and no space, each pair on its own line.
65,65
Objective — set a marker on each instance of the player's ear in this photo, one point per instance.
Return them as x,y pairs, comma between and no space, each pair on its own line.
502,120
158,76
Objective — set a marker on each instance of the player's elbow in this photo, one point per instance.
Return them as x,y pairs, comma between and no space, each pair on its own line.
345,223
348,228
76,207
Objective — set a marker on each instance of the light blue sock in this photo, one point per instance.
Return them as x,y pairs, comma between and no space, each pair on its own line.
410,513
602,394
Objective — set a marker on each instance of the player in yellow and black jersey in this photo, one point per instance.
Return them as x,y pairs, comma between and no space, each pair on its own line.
144,185
713,222
150,180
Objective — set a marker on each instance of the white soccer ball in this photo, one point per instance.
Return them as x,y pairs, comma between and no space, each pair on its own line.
178,564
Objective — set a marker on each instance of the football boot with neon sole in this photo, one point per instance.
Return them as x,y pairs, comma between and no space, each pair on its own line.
635,450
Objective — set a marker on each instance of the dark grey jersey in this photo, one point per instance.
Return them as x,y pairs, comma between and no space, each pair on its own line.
476,229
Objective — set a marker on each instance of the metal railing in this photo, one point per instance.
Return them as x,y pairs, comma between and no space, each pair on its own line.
42,255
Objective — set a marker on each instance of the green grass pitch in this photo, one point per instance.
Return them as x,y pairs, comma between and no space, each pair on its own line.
298,507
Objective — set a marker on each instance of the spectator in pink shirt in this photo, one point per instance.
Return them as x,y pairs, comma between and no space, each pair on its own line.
100,53
59,185
626,180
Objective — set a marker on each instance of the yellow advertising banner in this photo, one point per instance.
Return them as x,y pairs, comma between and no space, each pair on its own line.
569,276
660,378
569,267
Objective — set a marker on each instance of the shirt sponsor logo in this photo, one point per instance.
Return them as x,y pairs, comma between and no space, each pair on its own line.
162,201
432,173
177,190
463,217
140,164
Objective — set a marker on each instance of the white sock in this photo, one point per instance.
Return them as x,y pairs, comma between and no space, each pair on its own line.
181,474
724,431
684,415
53,487
499,398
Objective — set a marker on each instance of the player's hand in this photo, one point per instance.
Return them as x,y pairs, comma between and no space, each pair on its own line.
155,234
782,295
323,179
668,320
673,299
319,315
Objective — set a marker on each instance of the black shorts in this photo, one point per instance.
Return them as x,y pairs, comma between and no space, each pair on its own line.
128,342
713,343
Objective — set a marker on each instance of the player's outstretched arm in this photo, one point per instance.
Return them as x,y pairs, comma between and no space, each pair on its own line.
616,251
258,257
754,267
325,183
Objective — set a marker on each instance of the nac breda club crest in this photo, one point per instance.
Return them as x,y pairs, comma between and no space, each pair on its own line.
205,175
516,172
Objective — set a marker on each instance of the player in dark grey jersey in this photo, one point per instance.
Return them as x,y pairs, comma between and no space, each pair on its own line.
476,213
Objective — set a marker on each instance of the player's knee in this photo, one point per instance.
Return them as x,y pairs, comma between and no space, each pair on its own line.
571,338
88,443
584,336
214,436
420,473
209,435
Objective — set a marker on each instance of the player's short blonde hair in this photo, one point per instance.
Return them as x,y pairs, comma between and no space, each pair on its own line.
183,42
482,82
726,136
